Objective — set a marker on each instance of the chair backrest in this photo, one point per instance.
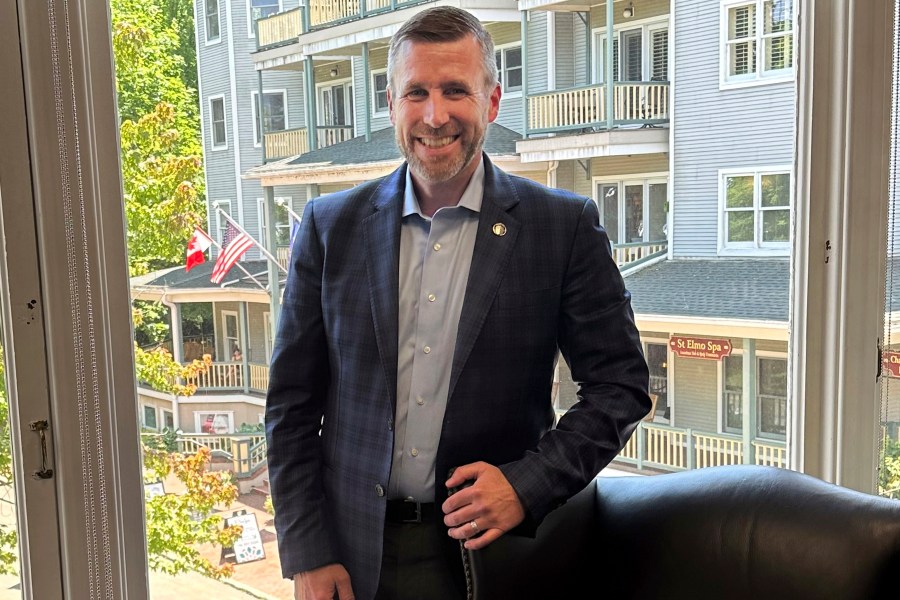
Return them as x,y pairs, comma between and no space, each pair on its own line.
737,532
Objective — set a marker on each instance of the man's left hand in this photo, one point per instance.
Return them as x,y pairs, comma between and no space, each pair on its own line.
485,510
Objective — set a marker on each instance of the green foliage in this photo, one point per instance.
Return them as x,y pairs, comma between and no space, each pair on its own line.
157,369
8,537
178,523
268,506
151,323
166,440
251,428
889,474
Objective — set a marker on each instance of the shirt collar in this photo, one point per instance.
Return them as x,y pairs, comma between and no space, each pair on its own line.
471,196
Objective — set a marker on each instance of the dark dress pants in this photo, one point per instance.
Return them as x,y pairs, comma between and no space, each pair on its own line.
420,562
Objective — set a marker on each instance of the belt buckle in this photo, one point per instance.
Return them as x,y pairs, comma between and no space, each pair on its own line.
418,518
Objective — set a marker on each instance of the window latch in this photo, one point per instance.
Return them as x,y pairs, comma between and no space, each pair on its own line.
40,428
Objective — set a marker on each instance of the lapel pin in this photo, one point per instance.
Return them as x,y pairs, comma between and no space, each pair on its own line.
499,229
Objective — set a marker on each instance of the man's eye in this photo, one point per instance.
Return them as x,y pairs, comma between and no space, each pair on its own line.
416,94
455,92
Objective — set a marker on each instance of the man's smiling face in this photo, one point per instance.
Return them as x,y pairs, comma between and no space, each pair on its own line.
440,106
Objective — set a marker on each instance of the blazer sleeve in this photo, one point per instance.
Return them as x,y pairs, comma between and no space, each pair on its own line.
599,340
299,376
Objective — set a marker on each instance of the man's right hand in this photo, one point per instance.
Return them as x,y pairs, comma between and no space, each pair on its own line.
331,582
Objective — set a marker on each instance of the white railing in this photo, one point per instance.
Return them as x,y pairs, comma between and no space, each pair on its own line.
665,446
586,106
769,454
329,135
629,253
282,144
259,377
230,376
326,11
283,254
279,28
716,450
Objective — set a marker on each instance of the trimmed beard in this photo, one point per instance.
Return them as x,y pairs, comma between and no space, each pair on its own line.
443,171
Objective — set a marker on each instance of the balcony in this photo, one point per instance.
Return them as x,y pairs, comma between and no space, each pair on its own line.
644,103
631,255
231,377
294,142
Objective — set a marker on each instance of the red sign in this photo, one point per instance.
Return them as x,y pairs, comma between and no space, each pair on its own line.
694,347
891,364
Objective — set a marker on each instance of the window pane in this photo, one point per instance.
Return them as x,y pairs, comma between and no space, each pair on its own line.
609,211
777,16
740,226
150,417
513,58
263,8
657,212
514,79
733,392
775,190
657,361
634,213
772,397
659,70
776,225
739,192
741,22
777,53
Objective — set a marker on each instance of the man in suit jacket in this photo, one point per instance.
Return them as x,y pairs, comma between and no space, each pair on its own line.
421,324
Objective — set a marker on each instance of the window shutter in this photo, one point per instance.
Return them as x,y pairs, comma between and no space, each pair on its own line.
659,49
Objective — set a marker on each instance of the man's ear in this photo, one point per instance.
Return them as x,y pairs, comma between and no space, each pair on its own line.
494,100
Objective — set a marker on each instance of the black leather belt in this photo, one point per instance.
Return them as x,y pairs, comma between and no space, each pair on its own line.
407,511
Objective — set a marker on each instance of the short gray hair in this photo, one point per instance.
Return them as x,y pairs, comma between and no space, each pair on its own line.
440,25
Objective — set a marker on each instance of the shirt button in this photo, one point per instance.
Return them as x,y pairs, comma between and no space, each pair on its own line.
420,400
414,452
437,246
426,349
379,491
432,297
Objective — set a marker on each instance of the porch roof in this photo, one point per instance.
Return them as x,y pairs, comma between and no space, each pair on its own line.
178,285
745,289
360,159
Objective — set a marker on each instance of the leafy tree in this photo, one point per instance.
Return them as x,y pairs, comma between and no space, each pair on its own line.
889,474
8,537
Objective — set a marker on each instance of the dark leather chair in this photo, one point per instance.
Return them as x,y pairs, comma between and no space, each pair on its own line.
735,533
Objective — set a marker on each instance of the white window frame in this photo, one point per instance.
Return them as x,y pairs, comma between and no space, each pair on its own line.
229,343
218,38
647,26
212,123
171,414
254,111
251,22
670,367
502,50
720,416
200,417
348,101
221,222
375,109
144,424
759,77
645,180
261,213
757,247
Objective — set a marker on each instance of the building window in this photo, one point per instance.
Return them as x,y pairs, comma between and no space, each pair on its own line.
216,423
379,87
758,40
641,217
168,420
212,21
219,140
231,337
509,66
221,221
150,417
756,211
771,396
733,393
658,364
282,221
260,9
274,109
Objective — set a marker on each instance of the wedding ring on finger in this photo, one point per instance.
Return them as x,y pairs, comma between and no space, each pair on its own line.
474,526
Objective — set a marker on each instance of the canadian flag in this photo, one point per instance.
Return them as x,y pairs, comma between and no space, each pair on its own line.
199,243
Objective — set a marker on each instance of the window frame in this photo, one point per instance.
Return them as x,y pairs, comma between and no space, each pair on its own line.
144,413
503,68
212,123
722,403
206,20
221,222
759,76
258,136
643,179
647,27
757,247
238,341
261,216
198,420
166,412
376,111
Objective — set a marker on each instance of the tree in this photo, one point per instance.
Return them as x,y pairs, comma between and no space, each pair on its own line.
889,474
8,537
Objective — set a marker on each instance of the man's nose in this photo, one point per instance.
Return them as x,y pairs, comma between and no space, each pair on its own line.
436,115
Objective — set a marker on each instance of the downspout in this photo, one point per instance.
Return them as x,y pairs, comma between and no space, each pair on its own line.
177,350
551,173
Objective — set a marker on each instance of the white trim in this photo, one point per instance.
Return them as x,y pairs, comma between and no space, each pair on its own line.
144,424
502,68
551,50
220,221
760,77
673,76
171,413
200,88
229,398
251,33
757,247
255,115
598,43
376,112
261,216
645,180
235,126
206,38
212,130
349,106
226,349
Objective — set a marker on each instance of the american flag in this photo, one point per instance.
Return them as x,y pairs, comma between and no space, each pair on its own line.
234,244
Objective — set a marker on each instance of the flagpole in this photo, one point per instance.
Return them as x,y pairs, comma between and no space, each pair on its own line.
252,239
281,202
237,264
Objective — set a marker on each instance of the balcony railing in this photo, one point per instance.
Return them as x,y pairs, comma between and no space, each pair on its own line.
294,142
586,107
635,253
286,27
674,449
230,376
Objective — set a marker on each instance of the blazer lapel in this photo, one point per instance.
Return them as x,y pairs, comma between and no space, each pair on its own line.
494,243
382,238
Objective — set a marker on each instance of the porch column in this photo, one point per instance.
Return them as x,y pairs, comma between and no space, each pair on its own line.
525,74
309,77
245,335
271,244
367,84
177,351
748,396
608,77
259,115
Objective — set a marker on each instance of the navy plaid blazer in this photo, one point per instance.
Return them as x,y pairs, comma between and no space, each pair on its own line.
549,285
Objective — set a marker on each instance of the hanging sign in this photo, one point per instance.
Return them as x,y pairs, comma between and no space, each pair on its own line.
696,347
249,546
890,362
